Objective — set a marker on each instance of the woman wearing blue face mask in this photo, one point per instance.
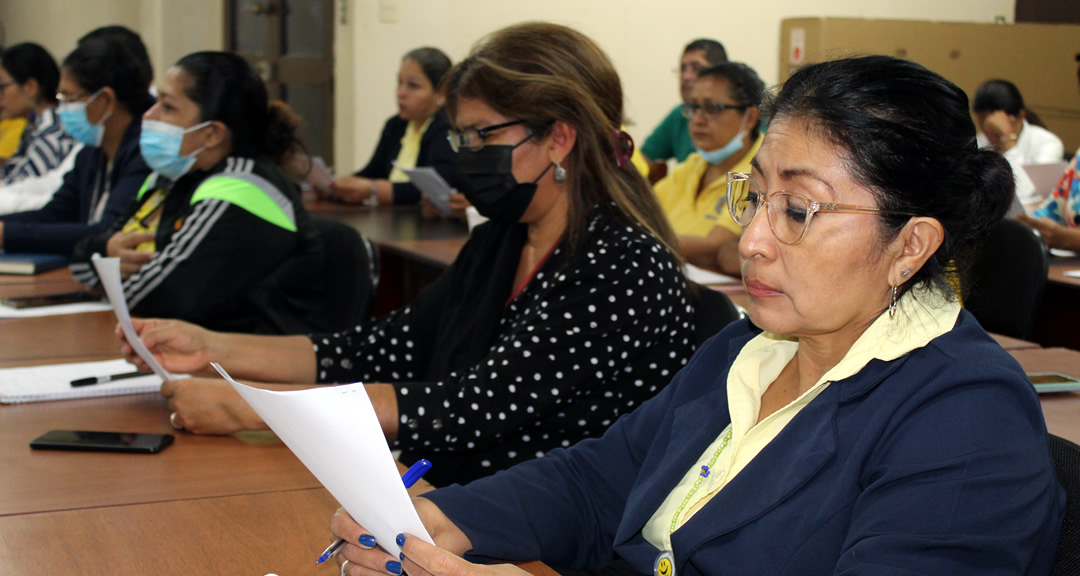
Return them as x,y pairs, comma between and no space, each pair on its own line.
102,92
217,235
724,125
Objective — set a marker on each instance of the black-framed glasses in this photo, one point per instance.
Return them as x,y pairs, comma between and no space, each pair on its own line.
474,138
789,214
712,110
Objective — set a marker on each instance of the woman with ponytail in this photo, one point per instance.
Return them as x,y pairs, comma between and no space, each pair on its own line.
564,311
217,234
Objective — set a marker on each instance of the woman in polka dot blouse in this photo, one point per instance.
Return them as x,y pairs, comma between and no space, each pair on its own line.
563,312
859,421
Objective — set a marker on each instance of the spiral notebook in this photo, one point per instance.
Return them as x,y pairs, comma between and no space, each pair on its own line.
53,382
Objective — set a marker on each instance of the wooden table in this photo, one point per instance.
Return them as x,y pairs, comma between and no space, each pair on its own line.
1062,409
281,533
194,467
1059,314
55,339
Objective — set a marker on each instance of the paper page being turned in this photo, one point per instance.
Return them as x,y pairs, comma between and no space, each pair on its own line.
334,431
108,270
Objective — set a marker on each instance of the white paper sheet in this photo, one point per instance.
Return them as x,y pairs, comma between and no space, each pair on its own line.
108,270
431,185
319,176
54,310
334,431
706,277
1072,273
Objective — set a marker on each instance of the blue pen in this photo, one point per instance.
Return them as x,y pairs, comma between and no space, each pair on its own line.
414,473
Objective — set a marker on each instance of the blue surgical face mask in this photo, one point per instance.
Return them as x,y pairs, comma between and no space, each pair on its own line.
73,117
724,152
160,144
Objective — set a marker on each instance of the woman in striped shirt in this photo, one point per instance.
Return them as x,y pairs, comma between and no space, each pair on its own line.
28,82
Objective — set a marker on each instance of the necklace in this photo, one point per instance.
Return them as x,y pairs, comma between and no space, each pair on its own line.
705,469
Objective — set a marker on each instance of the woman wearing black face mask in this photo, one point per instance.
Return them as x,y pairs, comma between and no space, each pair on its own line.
563,312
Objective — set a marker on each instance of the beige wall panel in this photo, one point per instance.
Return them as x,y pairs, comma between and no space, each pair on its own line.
1038,58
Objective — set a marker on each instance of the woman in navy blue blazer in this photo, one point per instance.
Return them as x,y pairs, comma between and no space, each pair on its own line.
862,423
415,137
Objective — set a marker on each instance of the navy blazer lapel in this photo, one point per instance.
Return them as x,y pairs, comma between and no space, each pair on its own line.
795,456
692,427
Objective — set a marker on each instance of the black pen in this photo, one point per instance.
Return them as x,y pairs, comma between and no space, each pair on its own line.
103,379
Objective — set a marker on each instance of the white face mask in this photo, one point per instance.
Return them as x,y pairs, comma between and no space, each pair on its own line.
724,152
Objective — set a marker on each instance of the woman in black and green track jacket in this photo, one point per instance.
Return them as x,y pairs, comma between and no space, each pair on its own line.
217,235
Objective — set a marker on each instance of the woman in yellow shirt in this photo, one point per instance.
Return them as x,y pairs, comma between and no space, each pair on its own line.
724,125
415,136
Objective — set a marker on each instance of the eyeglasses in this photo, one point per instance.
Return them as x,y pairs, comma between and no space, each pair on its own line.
474,138
789,214
61,97
712,110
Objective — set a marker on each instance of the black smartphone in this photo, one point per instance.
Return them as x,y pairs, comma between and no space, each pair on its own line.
49,300
86,441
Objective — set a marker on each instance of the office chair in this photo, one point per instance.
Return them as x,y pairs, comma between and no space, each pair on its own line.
1067,466
1007,280
350,275
713,310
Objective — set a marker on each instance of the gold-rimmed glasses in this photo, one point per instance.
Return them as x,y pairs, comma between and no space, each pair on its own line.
789,214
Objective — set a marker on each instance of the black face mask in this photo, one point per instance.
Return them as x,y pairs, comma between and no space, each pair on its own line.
486,178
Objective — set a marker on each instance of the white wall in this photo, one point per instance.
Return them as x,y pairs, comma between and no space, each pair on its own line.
643,38
170,28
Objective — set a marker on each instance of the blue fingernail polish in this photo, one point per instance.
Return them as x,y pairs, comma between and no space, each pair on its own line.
367,541
400,539
393,567
401,556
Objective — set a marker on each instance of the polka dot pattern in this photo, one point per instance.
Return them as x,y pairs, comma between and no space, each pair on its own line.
587,340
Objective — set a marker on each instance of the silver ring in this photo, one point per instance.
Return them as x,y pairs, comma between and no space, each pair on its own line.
343,567
172,421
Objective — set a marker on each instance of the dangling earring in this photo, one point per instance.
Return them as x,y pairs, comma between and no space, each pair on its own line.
906,273
892,305
560,173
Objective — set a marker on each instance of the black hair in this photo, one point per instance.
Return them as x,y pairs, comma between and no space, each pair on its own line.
714,51
994,95
432,61
27,60
98,63
130,41
747,89
906,134
227,89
